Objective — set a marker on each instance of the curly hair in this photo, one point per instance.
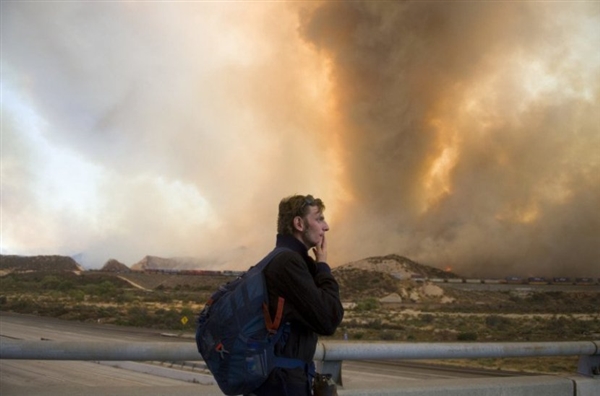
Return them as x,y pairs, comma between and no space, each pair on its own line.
295,205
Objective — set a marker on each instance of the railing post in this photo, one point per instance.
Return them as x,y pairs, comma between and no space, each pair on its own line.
333,367
589,365
326,366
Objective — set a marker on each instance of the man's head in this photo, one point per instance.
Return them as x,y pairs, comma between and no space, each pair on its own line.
302,217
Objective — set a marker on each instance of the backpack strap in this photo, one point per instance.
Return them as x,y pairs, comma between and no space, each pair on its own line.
267,259
273,324
290,363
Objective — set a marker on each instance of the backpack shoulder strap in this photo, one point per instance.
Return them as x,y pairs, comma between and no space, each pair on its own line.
272,324
267,259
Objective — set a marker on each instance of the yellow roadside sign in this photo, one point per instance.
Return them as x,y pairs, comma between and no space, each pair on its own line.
184,320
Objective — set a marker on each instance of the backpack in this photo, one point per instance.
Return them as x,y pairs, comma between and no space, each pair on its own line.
236,335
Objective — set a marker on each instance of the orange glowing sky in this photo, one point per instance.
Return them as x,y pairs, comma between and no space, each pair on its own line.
458,134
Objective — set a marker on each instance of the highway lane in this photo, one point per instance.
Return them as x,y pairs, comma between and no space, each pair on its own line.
24,377
31,327
30,377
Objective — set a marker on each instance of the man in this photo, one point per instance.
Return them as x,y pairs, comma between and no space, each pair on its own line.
311,294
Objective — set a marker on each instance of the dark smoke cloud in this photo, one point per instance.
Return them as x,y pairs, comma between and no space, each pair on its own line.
413,79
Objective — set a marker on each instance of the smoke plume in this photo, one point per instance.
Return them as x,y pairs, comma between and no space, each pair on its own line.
468,132
458,134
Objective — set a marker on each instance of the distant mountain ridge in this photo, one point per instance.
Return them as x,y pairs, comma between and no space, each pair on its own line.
52,263
397,266
180,263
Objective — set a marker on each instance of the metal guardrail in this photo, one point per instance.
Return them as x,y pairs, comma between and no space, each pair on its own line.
329,354
343,350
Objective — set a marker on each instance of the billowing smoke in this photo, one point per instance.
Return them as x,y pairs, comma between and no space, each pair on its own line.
458,134
168,129
469,132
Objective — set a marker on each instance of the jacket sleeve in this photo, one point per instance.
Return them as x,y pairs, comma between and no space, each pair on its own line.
310,298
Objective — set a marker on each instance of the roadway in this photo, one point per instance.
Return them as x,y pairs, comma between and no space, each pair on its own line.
65,378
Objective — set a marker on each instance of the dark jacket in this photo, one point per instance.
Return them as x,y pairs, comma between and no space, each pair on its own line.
312,307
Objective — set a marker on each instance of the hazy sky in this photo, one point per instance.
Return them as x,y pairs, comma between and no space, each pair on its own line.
458,134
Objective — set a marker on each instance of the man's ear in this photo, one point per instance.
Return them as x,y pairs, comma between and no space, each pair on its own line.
298,223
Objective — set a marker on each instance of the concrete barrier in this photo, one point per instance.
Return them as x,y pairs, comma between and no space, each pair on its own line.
586,386
509,386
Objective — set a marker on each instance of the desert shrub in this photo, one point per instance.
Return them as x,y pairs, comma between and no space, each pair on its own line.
367,304
539,298
396,326
159,297
515,299
167,318
8,283
467,336
427,318
387,335
65,286
137,310
137,315
77,295
374,324
187,311
82,312
54,309
106,288
106,312
22,305
50,282
125,297
497,322
205,288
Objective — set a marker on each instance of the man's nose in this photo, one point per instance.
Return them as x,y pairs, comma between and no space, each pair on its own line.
325,226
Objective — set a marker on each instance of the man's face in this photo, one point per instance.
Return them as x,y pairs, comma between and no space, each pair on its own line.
314,227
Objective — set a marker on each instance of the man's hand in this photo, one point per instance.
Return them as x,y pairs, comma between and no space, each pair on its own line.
320,251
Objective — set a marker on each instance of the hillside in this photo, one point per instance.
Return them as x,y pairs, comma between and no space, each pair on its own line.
113,265
387,279
10,263
397,266
374,277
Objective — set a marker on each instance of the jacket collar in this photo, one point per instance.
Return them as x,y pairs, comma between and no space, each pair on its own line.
290,242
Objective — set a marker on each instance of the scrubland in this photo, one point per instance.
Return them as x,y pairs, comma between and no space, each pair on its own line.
171,302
